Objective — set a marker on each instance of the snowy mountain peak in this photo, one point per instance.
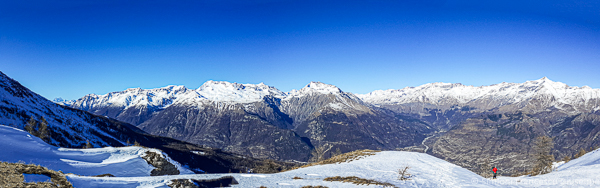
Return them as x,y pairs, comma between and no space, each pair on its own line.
63,101
222,91
320,87
442,85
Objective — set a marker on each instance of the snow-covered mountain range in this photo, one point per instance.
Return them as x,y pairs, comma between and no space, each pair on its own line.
222,115
211,91
553,94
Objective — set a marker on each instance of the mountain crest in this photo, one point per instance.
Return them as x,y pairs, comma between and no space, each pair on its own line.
321,87
222,91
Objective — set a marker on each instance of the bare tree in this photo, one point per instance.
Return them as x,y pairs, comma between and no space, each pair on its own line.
318,154
543,157
403,174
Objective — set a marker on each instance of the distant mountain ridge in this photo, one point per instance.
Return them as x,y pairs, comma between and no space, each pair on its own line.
557,94
442,94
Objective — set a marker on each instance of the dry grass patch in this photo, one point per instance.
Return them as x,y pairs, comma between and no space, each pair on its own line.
297,178
11,175
343,158
358,181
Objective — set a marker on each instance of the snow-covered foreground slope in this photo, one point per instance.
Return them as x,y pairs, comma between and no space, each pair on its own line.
19,146
427,171
133,171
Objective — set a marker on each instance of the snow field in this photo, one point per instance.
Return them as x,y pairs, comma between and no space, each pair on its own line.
19,146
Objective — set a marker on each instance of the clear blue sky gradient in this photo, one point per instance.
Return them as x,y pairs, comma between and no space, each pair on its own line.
72,48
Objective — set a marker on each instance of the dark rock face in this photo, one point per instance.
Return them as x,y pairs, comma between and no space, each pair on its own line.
438,117
235,130
281,128
350,132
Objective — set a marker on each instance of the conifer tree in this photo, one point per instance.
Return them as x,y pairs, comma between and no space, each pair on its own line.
543,157
31,125
43,129
88,145
484,168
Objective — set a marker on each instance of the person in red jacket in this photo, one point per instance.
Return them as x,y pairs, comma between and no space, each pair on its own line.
495,170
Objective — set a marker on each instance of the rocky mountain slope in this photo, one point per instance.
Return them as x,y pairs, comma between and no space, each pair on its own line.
499,122
260,120
72,128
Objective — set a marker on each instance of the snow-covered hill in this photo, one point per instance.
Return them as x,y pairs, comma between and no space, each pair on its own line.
426,171
67,127
19,146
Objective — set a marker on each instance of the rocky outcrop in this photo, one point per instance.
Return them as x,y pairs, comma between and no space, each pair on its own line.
160,164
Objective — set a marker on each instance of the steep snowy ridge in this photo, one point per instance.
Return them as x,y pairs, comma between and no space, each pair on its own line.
67,126
555,93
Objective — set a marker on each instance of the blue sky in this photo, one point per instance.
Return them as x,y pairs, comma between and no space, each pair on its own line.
72,48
